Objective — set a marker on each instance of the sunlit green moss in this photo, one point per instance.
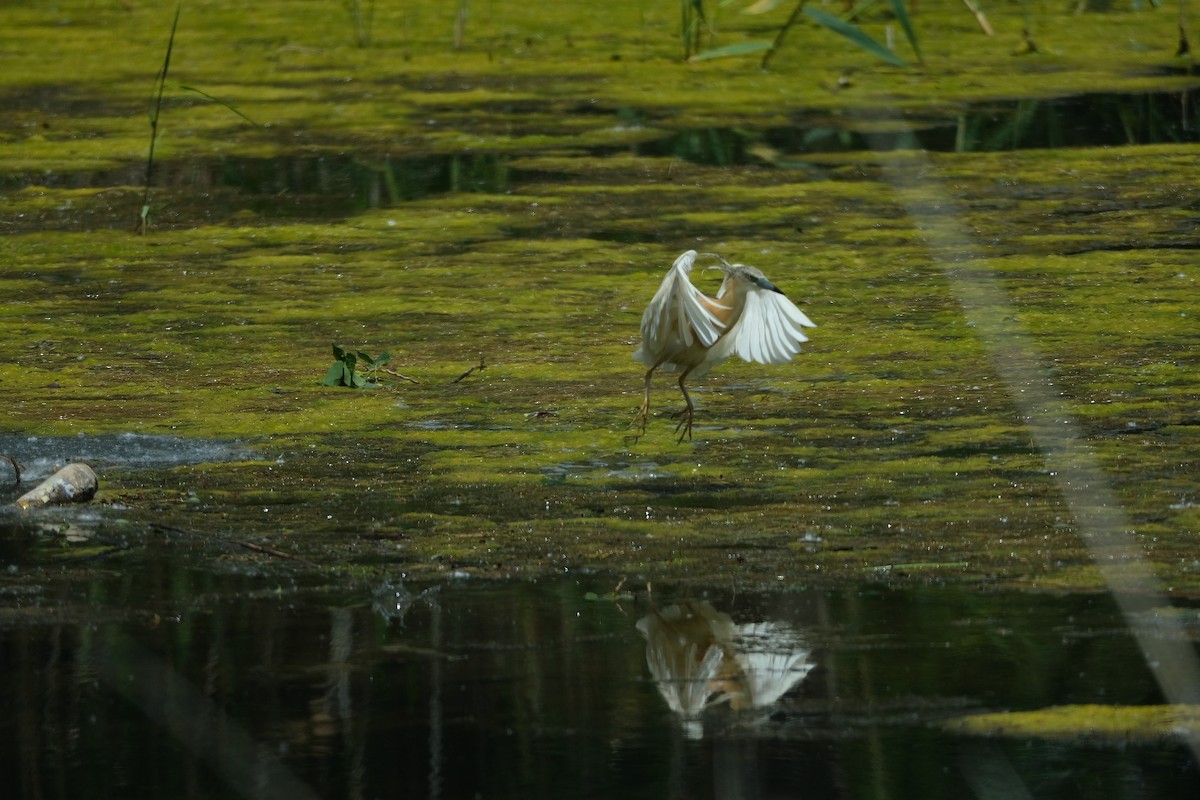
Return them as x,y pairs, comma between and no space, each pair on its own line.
888,451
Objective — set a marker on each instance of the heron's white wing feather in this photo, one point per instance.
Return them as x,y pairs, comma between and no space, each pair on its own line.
676,316
769,330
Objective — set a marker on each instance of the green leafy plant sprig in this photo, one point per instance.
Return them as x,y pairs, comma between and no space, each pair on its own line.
344,371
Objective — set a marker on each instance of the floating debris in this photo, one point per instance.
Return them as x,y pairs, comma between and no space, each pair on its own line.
74,483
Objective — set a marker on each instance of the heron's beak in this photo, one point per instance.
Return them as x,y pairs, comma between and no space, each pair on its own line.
763,283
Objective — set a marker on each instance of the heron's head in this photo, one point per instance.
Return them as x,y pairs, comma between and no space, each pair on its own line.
741,272
751,275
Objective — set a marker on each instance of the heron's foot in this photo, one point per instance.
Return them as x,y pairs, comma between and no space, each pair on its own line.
640,418
638,423
684,428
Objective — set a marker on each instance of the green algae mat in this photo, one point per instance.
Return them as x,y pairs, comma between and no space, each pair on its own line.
1007,341
1104,723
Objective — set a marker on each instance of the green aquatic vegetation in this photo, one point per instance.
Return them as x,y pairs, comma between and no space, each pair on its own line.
889,450
345,371
299,52
840,25
1103,725
362,14
693,22
855,34
155,112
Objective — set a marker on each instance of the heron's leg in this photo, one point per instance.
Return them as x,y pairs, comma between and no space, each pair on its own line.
685,415
644,412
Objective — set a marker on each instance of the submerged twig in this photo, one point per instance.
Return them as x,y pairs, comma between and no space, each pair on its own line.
271,551
258,548
402,377
481,366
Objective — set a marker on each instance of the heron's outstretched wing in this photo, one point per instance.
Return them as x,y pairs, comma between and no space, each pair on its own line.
769,331
678,315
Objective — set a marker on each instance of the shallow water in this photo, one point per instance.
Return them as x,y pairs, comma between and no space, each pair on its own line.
175,681
39,456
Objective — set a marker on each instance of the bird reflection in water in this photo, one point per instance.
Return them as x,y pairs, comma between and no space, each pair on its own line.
700,658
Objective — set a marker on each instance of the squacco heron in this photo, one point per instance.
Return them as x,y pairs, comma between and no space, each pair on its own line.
686,330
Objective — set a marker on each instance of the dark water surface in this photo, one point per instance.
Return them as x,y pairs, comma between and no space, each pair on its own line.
156,679
331,184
